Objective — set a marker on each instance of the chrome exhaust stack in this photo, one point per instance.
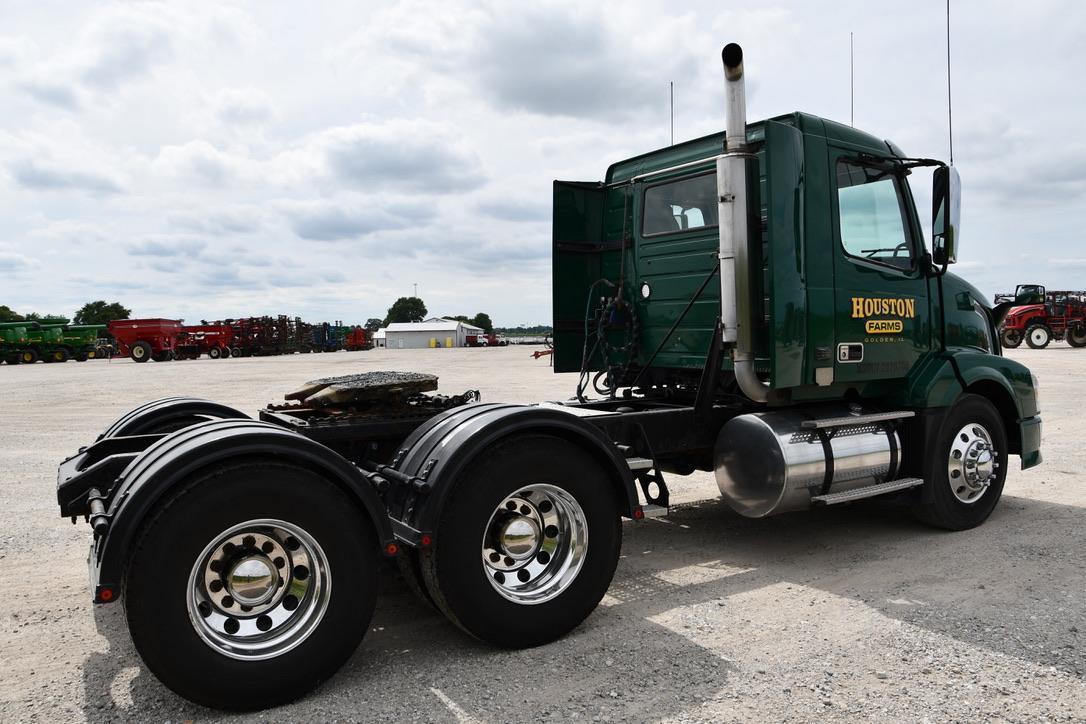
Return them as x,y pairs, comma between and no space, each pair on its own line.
731,184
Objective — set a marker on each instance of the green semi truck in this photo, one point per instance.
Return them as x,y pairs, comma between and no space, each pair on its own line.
759,304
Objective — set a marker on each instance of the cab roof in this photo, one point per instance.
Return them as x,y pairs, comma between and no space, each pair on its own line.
713,144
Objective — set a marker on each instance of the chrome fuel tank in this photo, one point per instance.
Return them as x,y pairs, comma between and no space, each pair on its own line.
768,463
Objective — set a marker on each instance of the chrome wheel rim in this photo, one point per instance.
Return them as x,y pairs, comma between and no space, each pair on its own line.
973,463
535,544
259,589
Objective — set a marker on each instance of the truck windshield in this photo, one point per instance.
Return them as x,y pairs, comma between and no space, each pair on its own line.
682,205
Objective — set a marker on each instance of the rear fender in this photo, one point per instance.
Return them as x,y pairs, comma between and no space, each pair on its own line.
437,452
175,458
152,416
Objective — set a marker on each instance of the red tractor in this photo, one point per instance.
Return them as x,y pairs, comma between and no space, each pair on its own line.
1038,317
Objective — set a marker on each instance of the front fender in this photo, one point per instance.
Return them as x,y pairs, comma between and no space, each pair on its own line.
176,457
1012,376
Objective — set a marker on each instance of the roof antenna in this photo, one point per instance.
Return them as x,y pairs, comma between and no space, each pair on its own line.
671,85
949,104
851,84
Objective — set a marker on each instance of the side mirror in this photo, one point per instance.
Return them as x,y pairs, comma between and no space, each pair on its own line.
946,214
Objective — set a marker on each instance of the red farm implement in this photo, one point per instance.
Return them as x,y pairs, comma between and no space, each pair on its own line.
1038,316
214,340
358,339
259,336
144,339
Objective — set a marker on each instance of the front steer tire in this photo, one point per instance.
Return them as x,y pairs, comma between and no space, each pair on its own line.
954,503
454,572
172,552
1038,336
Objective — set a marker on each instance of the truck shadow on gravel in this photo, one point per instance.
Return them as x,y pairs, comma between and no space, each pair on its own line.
1014,586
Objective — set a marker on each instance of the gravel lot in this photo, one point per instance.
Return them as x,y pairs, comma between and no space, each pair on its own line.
846,613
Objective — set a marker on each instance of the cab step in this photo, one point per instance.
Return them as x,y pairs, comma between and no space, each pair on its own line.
870,491
640,464
850,420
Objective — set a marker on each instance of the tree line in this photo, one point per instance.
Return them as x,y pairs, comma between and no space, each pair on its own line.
97,312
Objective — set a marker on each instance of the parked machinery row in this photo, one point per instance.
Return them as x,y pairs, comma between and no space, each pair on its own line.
167,339
50,340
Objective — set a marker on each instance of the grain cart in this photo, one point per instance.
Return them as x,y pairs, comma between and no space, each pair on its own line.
144,339
758,303
13,339
1038,317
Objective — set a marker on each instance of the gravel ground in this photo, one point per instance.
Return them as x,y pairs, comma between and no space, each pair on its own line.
847,613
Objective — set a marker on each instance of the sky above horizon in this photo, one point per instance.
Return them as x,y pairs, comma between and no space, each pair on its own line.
214,160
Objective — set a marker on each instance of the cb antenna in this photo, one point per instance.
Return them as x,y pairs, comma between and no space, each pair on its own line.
851,83
949,100
671,87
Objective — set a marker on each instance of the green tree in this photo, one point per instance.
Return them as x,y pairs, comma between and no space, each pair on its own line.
7,314
406,309
100,312
373,324
482,319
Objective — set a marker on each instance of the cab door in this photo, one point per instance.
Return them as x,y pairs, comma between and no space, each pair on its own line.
882,320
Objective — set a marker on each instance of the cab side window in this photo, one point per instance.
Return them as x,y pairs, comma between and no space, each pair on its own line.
682,205
872,216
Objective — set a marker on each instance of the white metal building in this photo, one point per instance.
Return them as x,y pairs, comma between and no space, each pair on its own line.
379,338
434,332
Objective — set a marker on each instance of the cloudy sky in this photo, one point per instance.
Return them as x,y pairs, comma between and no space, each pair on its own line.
208,160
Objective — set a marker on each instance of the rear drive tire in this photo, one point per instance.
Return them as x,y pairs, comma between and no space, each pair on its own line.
276,536
550,504
1038,336
968,468
140,351
235,352
214,353
1076,335
1010,338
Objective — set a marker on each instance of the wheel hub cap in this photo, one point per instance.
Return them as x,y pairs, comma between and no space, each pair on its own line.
519,538
535,544
972,464
252,581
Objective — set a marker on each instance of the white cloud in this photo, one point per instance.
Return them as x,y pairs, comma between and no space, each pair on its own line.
243,106
43,175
